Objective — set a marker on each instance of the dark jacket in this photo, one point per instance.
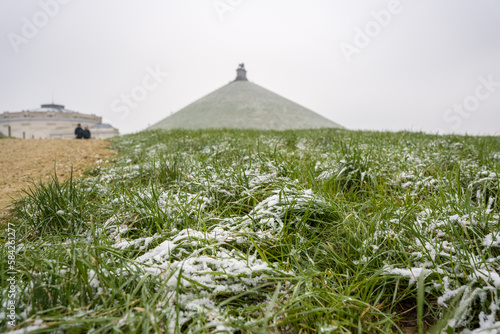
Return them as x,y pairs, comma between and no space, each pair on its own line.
79,133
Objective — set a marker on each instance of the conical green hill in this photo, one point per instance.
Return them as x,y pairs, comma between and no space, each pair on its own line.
242,104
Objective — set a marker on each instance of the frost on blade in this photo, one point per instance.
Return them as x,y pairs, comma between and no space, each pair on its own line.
200,267
197,270
455,268
413,273
492,240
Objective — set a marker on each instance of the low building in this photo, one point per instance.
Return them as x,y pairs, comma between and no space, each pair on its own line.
52,121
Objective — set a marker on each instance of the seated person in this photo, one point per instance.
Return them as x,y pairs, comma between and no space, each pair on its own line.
86,133
78,132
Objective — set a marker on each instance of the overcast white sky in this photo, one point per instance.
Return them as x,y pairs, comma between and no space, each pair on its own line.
430,65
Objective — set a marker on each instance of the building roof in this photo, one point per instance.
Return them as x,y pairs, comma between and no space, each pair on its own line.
52,107
242,104
52,111
101,126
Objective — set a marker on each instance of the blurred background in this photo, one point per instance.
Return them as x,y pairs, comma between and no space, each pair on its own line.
430,66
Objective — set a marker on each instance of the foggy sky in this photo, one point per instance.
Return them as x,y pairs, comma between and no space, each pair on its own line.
418,65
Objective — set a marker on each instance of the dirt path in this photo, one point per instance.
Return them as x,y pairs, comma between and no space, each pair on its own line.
25,160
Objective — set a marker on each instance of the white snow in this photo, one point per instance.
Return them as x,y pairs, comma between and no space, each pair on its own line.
492,240
413,273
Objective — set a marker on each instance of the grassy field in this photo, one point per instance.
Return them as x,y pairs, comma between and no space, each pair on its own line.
263,232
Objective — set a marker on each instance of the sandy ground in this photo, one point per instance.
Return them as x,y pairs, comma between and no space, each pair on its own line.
30,160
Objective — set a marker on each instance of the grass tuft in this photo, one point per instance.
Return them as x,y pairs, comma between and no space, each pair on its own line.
328,231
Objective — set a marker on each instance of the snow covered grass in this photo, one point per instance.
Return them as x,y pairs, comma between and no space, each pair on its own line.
327,231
